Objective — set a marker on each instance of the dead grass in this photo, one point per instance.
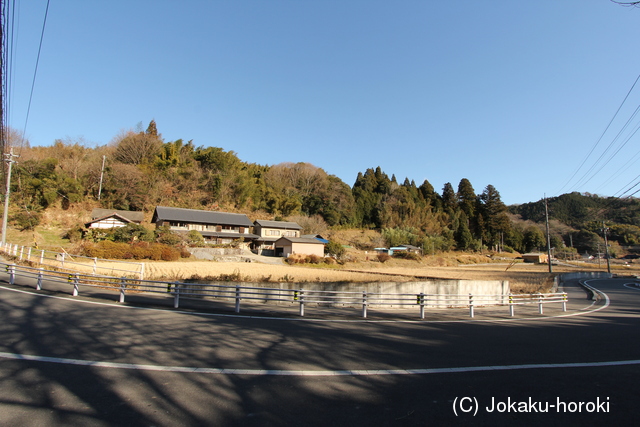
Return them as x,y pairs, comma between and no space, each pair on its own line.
257,272
523,278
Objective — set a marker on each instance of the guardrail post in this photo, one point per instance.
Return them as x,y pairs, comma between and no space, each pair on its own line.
21,252
176,295
237,298
421,303
41,256
95,265
40,274
364,304
511,306
29,253
11,269
76,285
62,260
301,302
564,301
471,314
123,285
540,303
15,250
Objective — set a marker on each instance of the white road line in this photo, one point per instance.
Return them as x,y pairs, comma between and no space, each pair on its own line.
311,373
318,373
635,286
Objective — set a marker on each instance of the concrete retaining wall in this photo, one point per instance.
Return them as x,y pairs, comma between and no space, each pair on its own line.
436,291
218,254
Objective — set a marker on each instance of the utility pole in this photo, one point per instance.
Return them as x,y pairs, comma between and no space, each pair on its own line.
606,246
546,215
101,175
9,159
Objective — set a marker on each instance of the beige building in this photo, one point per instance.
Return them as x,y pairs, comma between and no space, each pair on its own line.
269,232
286,246
536,258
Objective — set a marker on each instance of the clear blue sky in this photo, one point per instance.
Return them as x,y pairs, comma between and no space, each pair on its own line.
510,93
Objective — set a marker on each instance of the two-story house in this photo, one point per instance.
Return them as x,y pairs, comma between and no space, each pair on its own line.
270,231
215,227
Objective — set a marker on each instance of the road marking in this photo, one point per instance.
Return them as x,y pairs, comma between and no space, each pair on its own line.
316,373
310,373
597,291
635,286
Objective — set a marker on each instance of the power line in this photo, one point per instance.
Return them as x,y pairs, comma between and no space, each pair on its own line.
35,72
599,139
584,179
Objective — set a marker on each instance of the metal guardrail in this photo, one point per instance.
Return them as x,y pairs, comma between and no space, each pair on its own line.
302,297
67,262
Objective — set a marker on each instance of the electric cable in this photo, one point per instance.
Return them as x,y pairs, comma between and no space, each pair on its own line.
35,73
600,138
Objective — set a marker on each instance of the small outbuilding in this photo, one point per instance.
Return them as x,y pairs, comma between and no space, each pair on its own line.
286,246
536,258
111,218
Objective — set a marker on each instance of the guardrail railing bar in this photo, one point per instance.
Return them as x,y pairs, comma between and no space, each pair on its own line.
301,296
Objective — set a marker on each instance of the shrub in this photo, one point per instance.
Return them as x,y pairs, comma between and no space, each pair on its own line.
383,257
335,249
406,255
170,254
195,238
26,220
131,232
141,250
314,259
165,236
74,234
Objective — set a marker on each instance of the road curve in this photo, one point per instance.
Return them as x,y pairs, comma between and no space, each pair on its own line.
66,361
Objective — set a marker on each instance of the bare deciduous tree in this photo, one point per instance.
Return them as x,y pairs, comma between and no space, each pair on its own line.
137,147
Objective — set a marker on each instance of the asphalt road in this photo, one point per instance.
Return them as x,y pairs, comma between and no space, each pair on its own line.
66,361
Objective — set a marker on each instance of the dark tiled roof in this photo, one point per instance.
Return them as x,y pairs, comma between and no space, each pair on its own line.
193,216
115,215
133,216
278,224
301,240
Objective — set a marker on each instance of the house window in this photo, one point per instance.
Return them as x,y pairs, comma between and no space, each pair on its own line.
289,234
273,232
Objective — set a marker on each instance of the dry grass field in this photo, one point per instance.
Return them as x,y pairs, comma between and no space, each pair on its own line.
363,267
522,277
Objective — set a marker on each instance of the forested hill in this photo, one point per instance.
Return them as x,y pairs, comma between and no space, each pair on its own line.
143,171
578,210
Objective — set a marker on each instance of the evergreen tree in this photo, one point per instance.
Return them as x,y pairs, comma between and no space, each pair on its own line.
449,202
497,222
463,237
467,198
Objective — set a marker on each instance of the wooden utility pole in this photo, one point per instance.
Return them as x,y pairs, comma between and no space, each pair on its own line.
101,176
605,230
546,215
9,159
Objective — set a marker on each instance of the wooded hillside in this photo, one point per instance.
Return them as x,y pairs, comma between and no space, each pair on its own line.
143,171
